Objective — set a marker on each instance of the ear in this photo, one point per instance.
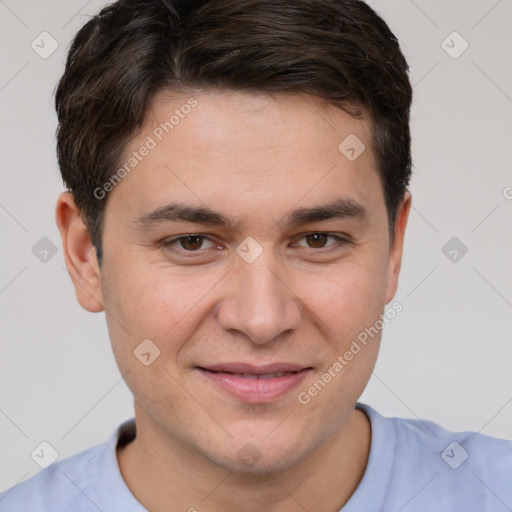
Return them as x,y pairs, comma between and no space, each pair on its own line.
396,249
79,253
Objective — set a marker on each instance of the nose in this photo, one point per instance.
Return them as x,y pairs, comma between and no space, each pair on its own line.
259,302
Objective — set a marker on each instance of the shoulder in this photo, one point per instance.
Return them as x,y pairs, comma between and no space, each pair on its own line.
62,486
435,467
454,449
85,482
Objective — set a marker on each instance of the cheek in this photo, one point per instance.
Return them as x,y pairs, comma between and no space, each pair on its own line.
158,303
145,302
347,299
155,300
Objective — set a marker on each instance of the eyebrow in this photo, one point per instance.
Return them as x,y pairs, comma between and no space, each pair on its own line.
339,209
342,208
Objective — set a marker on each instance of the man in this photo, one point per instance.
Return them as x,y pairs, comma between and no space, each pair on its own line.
237,200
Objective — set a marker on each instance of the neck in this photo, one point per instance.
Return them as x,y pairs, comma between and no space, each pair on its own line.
163,473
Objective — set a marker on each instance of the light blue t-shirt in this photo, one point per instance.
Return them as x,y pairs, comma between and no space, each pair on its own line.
414,465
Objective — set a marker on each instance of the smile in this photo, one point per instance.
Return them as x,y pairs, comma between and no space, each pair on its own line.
254,384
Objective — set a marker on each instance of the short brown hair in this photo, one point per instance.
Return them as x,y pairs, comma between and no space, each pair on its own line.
339,50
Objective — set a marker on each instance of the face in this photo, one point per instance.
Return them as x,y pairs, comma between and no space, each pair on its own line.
251,251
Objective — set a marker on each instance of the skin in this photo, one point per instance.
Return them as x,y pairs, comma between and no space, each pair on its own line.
253,158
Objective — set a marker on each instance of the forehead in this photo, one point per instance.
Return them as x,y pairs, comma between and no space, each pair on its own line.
236,149
274,119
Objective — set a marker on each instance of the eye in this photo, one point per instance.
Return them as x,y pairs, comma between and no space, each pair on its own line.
319,240
196,244
188,243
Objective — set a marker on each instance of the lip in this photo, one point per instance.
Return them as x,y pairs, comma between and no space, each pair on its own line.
255,384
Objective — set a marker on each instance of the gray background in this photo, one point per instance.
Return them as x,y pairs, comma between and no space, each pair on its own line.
445,357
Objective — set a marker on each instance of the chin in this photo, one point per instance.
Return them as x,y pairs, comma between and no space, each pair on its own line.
269,463
260,457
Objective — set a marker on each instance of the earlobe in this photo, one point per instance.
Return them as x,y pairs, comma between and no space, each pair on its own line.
79,254
396,249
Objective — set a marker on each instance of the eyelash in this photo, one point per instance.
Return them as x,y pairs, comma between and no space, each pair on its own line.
169,243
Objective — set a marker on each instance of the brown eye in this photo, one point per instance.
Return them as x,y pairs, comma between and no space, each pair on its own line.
322,240
191,242
317,240
189,246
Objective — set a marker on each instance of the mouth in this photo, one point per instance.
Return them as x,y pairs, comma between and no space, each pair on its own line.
255,384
